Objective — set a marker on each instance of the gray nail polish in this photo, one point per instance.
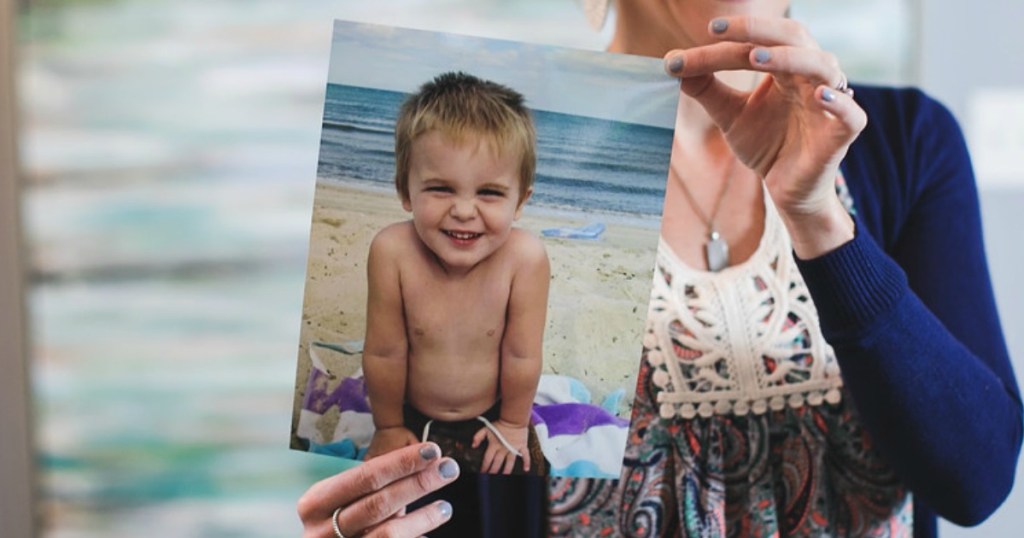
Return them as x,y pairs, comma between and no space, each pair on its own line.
445,508
719,25
676,64
762,56
429,452
827,95
448,469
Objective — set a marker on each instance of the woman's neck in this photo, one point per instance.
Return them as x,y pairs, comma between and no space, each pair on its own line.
640,31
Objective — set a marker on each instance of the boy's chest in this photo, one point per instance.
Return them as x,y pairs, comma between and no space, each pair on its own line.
467,311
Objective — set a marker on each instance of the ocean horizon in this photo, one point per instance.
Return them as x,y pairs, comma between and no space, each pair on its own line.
586,167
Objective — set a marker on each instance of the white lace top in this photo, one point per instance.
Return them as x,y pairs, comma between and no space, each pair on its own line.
745,339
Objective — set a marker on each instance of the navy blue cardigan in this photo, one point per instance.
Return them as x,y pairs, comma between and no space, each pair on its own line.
908,307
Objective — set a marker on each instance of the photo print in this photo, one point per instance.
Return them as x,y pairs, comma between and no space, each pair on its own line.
435,331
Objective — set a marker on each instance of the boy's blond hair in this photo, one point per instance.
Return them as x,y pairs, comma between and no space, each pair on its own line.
460,105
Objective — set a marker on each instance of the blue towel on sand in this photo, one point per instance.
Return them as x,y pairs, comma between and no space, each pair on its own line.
590,231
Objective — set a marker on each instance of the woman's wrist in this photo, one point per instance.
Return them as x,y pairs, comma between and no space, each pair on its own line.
816,234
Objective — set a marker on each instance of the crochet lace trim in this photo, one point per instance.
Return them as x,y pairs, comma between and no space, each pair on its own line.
745,339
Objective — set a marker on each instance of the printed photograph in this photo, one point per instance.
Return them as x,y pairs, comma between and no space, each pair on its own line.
482,244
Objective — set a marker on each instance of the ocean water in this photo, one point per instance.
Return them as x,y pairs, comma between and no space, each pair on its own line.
583,164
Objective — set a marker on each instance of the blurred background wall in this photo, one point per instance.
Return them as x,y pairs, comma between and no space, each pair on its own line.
169,151
17,472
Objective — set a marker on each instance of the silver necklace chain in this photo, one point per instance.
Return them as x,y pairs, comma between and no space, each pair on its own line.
709,222
716,249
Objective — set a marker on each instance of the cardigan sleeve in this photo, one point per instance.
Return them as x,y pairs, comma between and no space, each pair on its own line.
915,326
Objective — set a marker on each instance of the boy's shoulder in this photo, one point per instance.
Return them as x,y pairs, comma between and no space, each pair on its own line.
526,247
393,238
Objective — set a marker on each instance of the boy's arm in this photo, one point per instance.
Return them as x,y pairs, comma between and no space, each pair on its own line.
385,352
521,351
522,345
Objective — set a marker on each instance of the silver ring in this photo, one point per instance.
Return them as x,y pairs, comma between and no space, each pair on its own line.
844,85
334,523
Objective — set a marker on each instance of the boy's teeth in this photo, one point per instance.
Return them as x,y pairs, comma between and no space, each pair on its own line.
462,235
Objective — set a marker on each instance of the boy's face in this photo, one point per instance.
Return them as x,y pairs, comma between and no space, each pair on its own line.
463,197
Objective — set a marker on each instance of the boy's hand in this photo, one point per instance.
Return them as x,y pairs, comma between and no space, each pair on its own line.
387,439
498,458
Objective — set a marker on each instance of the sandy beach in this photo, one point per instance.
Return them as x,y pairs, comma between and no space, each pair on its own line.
596,309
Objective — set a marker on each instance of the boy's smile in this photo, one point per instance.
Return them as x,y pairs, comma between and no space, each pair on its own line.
462,238
463,196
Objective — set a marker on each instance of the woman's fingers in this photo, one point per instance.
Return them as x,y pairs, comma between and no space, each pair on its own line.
846,118
348,487
738,36
815,65
774,45
768,31
376,509
375,474
707,59
416,523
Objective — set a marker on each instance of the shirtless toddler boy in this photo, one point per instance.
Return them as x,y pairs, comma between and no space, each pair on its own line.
457,296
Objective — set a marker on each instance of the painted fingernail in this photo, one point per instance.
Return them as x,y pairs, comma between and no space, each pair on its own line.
429,452
828,95
675,65
448,469
445,508
762,55
719,25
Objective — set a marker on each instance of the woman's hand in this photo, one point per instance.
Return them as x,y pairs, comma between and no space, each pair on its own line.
370,500
792,129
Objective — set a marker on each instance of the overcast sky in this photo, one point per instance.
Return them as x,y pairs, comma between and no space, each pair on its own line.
587,83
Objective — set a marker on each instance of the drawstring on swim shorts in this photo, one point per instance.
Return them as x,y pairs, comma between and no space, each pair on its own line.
489,425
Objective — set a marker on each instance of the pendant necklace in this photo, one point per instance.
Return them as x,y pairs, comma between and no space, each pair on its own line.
716,250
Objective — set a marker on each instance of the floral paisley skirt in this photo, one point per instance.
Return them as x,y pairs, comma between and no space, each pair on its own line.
806,471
